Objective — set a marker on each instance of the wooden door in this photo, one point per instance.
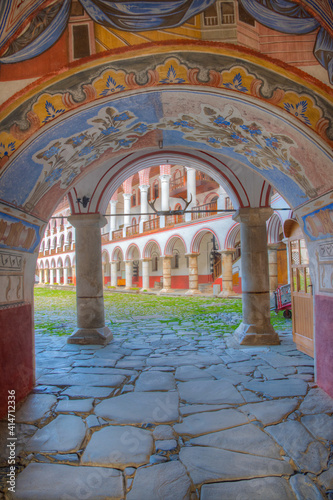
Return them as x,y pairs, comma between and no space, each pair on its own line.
301,293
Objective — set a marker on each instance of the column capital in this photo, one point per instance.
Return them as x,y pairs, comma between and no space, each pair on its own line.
113,202
127,196
226,251
194,254
84,220
164,177
253,216
146,259
144,187
166,256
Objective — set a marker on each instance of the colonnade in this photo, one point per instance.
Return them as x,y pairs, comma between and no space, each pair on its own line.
255,327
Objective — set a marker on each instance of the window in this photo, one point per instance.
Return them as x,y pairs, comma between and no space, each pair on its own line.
227,13
210,16
118,265
139,197
81,46
133,198
133,221
244,16
228,204
301,281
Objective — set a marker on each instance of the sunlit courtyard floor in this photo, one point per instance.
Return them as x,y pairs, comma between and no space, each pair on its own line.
171,409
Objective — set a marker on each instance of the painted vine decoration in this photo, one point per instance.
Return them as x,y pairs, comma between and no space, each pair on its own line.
64,160
262,150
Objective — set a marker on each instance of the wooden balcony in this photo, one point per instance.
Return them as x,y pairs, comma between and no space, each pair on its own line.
172,220
151,225
105,238
132,230
117,235
207,207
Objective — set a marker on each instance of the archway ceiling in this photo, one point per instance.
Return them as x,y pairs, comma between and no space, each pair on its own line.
213,98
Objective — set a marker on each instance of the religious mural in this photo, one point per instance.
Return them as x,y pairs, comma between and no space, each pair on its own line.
28,28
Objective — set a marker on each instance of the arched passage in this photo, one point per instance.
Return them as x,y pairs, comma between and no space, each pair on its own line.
246,139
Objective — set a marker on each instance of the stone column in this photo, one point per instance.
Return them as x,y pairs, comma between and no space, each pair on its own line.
113,273
166,274
128,274
273,268
65,275
91,327
144,205
191,190
41,275
51,276
227,286
256,328
165,196
145,274
113,218
58,275
193,274
127,210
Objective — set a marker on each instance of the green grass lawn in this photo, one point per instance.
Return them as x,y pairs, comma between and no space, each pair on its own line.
55,310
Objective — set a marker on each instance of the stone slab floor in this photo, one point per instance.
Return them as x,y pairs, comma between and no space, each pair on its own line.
169,412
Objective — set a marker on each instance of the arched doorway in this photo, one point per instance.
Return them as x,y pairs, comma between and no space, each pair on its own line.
266,145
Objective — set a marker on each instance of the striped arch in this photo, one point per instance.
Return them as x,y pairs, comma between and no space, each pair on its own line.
41,265
149,246
232,235
53,264
196,241
60,262
47,264
273,225
106,254
130,251
116,253
171,243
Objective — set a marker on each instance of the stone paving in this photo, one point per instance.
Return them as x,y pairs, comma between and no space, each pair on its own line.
169,412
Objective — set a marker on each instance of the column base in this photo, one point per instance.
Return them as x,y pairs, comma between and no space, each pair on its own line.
193,292
145,290
248,335
93,336
166,290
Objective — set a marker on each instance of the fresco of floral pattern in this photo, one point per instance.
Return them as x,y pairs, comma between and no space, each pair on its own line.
106,79
62,154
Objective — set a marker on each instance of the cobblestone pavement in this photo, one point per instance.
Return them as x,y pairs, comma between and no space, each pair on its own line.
167,411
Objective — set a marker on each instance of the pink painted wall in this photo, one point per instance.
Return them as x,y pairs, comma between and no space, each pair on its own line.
324,342
16,353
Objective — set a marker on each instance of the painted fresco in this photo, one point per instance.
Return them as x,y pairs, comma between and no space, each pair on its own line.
236,130
315,110
319,223
18,234
30,28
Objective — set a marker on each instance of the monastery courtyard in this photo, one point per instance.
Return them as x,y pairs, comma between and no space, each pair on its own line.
173,408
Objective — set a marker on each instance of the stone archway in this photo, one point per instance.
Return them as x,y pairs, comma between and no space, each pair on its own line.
247,138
